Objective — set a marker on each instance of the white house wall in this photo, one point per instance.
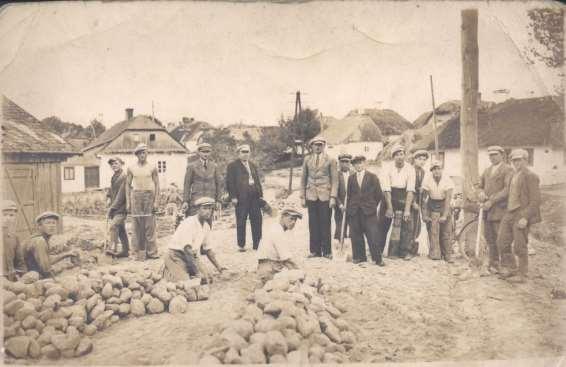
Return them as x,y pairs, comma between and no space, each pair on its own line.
76,185
370,150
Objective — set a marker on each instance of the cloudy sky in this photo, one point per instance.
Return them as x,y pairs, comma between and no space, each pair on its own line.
230,62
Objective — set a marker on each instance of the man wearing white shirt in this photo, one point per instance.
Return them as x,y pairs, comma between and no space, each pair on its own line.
399,188
273,255
437,191
343,174
190,239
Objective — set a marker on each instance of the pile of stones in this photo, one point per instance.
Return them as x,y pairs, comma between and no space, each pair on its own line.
288,320
55,318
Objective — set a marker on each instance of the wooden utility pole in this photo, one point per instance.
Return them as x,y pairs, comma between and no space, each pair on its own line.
469,114
298,110
434,120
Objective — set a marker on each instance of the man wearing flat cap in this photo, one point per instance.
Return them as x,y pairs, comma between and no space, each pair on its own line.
319,188
494,186
273,255
437,195
344,165
245,192
39,256
420,157
364,196
399,187
190,239
523,210
12,255
142,194
202,179
116,200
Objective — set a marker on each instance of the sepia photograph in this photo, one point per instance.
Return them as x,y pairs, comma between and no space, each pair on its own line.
283,182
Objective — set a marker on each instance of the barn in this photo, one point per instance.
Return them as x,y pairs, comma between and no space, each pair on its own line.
31,165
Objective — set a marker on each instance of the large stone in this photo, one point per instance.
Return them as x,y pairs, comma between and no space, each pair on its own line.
36,302
209,360
124,309
100,321
179,305
15,287
50,352
155,306
137,308
107,291
261,298
316,351
114,300
71,285
233,340
330,358
292,338
77,322
191,294
305,327
29,322
232,357
252,313
320,339
45,337
203,293
97,310
335,348
57,289
8,321
160,292
12,307
333,311
24,311
341,324
125,295
266,325
333,333
277,359
115,281
137,294
258,338
242,327
32,333
85,347
348,337
52,302
287,322
30,277
276,284
275,343
297,358
146,298
69,341
46,315
86,292
7,296
34,350
254,354
90,330
92,301
39,325
18,346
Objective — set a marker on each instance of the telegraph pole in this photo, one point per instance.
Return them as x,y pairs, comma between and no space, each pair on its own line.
469,113
298,110
434,124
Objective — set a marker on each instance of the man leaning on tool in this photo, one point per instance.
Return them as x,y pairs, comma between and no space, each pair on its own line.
523,210
142,193
343,174
319,187
494,185
117,207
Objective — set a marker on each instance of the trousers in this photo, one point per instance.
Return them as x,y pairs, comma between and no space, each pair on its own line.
249,208
512,241
118,232
319,227
143,220
338,215
362,225
491,229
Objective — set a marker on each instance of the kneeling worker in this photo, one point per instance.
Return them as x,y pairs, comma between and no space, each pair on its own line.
192,235
273,255
38,254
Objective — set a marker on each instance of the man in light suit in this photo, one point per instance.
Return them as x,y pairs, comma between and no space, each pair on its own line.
494,183
245,192
319,187
523,210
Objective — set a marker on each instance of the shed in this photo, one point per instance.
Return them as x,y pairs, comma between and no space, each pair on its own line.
31,165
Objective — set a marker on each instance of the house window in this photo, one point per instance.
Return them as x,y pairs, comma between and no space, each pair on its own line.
366,148
92,177
151,138
69,173
161,166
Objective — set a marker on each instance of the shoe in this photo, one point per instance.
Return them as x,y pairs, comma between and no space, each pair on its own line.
380,263
123,254
313,255
242,249
408,257
493,270
152,257
504,274
517,279
328,256
356,261
449,260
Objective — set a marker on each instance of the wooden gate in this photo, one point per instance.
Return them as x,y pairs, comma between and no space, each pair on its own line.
92,177
18,183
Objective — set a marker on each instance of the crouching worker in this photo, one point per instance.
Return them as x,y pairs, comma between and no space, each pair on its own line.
273,255
191,238
39,256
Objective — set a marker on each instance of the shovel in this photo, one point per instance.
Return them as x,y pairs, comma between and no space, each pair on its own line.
343,224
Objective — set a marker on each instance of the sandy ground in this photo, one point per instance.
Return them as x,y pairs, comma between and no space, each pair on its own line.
420,310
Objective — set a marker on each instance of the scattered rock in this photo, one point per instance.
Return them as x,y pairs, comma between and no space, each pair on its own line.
50,352
234,340
275,343
107,291
209,360
155,306
179,305
18,346
115,281
58,323
277,359
32,333
30,277
90,330
11,308
7,296
254,354
85,347
126,294
97,310
29,322
292,338
137,307
52,302
124,309
146,298
266,325
232,357
242,327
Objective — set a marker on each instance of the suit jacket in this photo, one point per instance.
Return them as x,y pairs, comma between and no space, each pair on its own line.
200,182
496,187
529,196
117,193
319,183
365,198
341,193
237,180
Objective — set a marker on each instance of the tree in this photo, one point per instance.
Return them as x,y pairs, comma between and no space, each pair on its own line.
98,127
305,127
546,31
370,132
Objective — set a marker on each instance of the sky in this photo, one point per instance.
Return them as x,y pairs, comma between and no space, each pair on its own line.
242,62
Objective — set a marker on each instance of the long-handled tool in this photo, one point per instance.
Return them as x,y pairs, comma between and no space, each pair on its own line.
343,226
478,235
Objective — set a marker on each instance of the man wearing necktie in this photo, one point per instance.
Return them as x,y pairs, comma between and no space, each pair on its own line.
319,186
343,174
245,192
202,179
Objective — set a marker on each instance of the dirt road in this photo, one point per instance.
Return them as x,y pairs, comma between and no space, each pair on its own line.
420,310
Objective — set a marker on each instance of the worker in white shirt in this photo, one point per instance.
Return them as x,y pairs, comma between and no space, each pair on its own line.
437,191
273,255
399,188
190,239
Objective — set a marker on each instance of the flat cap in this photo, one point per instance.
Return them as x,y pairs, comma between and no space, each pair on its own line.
115,159
345,157
396,149
9,205
318,139
205,200
245,147
358,159
435,163
141,147
495,149
204,147
420,153
519,154
290,209
46,215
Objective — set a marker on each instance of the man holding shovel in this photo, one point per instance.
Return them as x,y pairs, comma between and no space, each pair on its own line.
117,210
438,195
341,230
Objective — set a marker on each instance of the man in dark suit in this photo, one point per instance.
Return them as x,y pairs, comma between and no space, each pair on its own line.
116,199
420,157
523,210
364,196
319,186
494,185
245,192
343,174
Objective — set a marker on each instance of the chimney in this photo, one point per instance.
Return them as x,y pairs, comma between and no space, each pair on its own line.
129,113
